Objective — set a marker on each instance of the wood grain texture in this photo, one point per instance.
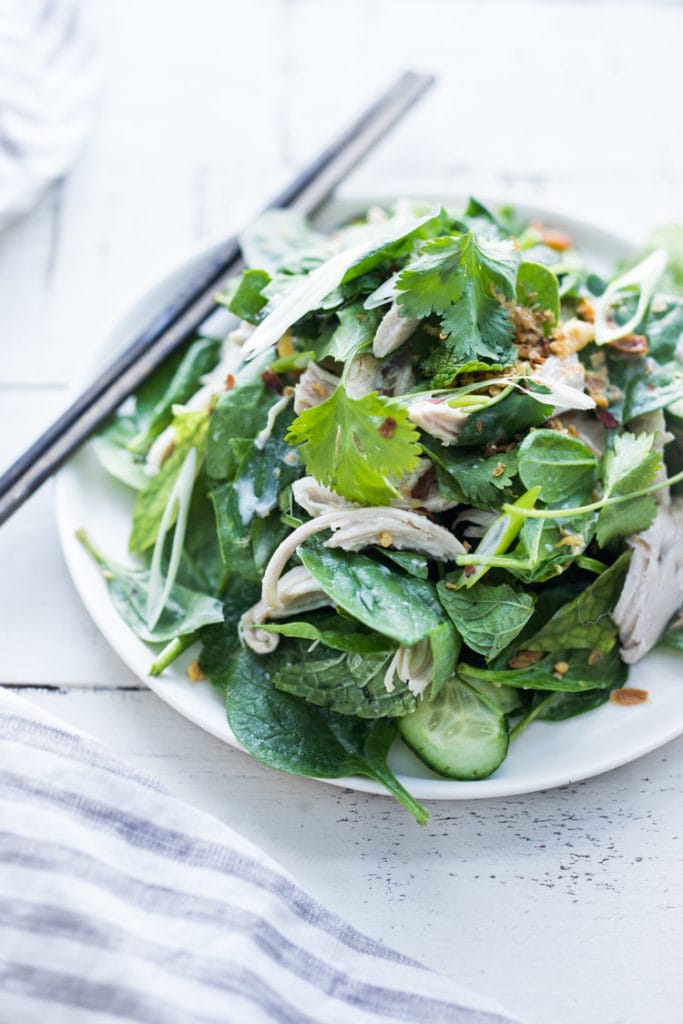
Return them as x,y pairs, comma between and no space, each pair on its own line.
567,904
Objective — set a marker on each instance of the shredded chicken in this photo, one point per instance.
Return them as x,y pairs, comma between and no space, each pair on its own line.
419,489
653,588
413,665
313,387
365,375
297,592
560,372
355,528
654,423
479,521
587,429
393,330
241,333
316,499
438,418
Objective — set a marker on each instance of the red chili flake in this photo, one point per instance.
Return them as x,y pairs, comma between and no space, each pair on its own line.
607,419
229,382
470,570
387,427
272,381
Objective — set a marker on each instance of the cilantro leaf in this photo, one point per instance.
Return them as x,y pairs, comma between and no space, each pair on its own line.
629,466
358,447
357,328
248,299
459,277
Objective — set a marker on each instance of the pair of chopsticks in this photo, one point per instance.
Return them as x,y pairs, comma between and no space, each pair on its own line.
174,324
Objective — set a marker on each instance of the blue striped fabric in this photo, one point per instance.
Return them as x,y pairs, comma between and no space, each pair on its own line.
120,903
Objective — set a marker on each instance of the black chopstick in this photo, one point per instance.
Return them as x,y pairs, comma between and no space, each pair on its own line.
175,323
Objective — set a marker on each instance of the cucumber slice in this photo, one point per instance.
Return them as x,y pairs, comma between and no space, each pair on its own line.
459,734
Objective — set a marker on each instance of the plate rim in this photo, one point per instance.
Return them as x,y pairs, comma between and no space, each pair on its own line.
129,648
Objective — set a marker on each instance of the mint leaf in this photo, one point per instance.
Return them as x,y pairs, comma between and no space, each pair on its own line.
469,477
459,278
487,618
584,623
358,447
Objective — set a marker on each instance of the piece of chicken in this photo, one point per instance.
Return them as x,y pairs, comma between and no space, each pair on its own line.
297,592
436,417
413,665
313,387
653,588
356,528
392,332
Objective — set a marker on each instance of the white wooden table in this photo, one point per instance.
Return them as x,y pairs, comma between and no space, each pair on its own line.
566,904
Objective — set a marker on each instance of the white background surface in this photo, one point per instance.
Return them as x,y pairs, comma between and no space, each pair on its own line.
565,905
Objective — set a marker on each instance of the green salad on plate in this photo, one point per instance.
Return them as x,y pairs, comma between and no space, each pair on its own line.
421,482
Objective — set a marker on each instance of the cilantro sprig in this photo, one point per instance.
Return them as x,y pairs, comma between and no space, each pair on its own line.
360,447
462,279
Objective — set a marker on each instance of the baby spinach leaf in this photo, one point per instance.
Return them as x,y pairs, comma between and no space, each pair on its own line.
191,430
358,447
487,618
673,636
111,448
504,421
284,732
663,327
404,608
445,643
201,357
399,245
239,413
410,561
185,610
561,706
654,388
333,634
582,673
537,289
458,277
282,239
584,623
562,466
350,683
220,642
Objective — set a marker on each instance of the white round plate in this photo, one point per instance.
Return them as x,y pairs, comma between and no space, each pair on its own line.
547,755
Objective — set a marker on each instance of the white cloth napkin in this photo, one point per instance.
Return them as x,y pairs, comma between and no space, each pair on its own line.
48,85
120,903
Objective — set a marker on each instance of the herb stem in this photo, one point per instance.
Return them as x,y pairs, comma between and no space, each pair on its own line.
171,651
527,719
595,506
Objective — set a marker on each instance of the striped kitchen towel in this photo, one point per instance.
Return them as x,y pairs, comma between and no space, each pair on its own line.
120,903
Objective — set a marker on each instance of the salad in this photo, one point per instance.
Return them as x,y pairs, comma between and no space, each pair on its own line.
420,480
